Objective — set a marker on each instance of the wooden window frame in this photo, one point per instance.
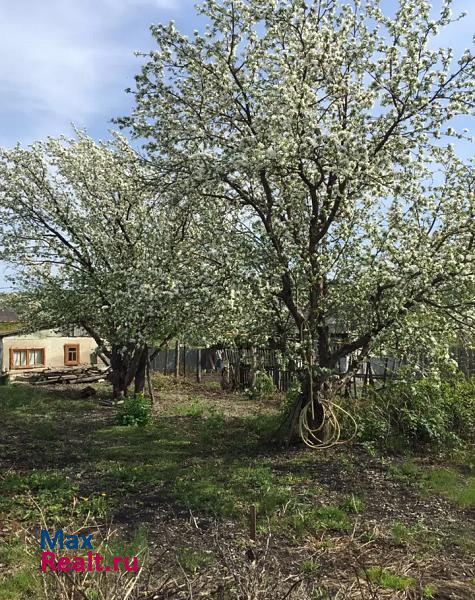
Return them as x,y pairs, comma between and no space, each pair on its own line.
72,363
27,366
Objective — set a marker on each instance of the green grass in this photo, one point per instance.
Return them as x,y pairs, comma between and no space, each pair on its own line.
71,458
50,492
18,574
429,591
19,585
198,459
389,580
456,481
194,407
309,568
449,482
301,520
8,327
192,559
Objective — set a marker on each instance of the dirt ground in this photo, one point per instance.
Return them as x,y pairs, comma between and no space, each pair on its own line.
336,523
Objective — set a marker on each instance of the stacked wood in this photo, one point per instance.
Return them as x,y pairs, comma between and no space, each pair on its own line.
72,375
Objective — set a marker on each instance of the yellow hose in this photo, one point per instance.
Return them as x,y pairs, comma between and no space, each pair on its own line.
329,420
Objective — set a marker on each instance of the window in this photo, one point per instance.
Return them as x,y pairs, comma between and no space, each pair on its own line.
71,354
27,358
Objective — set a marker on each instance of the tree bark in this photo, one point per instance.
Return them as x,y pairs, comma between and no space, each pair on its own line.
140,374
128,364
119,372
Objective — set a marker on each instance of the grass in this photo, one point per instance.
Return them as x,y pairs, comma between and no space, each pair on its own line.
192,559
17,574
389,580
20,584
451,483
172,453
429,591
69,457
303,521
9,327
310,568
456,483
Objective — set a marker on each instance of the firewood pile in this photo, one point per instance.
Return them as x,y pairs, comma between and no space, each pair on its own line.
77,375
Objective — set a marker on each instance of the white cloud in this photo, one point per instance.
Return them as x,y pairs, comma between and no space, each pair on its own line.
64,61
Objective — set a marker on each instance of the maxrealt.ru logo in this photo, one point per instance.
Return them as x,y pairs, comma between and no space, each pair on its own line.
93,561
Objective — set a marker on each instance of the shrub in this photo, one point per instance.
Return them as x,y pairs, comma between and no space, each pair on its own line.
427,411
136,411
263,388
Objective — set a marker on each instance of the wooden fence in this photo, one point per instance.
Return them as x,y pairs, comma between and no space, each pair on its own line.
184,362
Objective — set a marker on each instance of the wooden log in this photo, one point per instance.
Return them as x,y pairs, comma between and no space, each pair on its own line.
92,379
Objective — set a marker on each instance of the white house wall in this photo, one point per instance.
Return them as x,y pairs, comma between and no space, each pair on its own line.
53,345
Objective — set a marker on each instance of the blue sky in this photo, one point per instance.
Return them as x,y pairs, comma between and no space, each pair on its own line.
69,61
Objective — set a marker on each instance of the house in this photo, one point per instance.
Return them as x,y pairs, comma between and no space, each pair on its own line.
8,316
22,351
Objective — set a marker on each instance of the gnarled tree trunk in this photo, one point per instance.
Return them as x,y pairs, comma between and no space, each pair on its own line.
128,364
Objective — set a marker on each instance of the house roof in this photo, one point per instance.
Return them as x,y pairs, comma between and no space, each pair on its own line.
8,316
4,334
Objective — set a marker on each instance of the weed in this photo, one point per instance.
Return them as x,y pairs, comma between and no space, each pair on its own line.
136,411
309,568
429,591
370,536
45,431
192,559
194,407
160,381
389,580
302,520
464,539
54,493
401,534
406,471
20,584
452,484
416,413
263,388
212,428
353,504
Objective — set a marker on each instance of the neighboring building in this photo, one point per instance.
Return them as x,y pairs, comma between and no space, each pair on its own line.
8,316
45,349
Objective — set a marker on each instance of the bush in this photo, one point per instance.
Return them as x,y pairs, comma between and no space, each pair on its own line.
136,411
428,411
263,387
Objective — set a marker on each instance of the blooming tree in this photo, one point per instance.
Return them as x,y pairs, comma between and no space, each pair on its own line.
326,125
98,247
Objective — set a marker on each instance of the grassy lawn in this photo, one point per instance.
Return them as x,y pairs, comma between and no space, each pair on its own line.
337,517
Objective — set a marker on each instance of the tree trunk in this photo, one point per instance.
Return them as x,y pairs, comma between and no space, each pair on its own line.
140,374
312,388
119,366
128,364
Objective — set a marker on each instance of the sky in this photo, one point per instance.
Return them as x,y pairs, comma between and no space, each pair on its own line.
67,62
